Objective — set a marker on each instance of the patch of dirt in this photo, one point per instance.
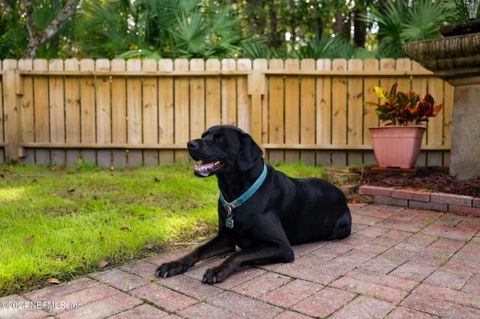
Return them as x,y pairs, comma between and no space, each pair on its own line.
426,178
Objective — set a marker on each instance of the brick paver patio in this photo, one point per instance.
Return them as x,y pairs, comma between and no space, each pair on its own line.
398,263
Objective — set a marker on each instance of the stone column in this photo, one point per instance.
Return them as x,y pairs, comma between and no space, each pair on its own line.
465,151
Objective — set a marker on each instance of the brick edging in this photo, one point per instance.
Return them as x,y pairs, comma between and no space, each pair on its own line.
419,199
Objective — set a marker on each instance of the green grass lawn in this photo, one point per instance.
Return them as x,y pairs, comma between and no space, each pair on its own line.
59,223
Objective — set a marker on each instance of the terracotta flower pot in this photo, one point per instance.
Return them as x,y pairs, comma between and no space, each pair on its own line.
397,146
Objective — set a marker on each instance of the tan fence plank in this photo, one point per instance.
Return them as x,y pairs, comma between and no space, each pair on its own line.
3,111
354,112
72,110
404,83
435,125
276,111
134,112
257,82
119,112
229,93
11,119
213,98
243,103
104,113
197,100
150,112
42,131
26,111
87,104
339,111
166,111
307,111
182,116
419,85
324,111
57,110
292,109
369,114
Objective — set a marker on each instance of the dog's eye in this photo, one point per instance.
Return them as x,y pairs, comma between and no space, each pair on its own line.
219,139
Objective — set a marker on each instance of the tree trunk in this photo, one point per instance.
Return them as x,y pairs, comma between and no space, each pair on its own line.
359,27
37,38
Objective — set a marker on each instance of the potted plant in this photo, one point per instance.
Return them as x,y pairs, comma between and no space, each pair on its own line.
397,144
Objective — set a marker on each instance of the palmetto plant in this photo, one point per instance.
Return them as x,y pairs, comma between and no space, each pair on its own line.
405,21
157,28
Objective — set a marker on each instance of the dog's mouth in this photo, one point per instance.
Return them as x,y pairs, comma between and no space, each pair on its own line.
205,169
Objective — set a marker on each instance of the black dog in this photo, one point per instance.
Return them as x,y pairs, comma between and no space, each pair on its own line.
278,211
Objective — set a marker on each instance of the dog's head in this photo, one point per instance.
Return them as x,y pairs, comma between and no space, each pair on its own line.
223,147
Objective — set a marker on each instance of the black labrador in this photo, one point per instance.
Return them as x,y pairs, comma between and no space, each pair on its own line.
282,211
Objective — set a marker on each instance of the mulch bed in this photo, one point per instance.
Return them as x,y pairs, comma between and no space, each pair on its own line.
427,178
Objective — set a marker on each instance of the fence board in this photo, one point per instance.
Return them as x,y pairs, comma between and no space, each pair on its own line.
197,100
150,112
26,112
370,118
57,110
2,112
166,110
324,111
41,116
292,110
182,99
420,85
103,114
87,104
119,113
339,111
307,111
229,93
276,111
134,112
243,105
354,112
72,110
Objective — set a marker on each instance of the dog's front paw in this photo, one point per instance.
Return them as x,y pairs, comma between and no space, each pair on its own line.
214,275
171,269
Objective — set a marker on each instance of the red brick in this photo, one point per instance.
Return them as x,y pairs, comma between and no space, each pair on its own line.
449,295
262,284
364,307
406,313
291,293
141,268
375,190
411,194
241,305
324,302
144,311
444,198
464,211
450,278
163,297
476,202
370,289
439,207
414,271
385,200
192,288
382,279
440,308
61,290
120,279
456,233
473,285
206,311
103,308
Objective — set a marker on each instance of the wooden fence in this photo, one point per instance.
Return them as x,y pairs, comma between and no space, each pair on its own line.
134,112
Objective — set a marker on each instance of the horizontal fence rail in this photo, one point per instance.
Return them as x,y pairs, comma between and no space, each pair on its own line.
142,112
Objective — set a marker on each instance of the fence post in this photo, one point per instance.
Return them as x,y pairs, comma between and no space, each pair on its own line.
11,91
256,89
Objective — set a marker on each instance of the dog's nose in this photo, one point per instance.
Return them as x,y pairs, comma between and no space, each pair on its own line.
193,145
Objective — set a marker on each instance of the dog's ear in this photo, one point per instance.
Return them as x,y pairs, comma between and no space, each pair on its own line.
250,152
